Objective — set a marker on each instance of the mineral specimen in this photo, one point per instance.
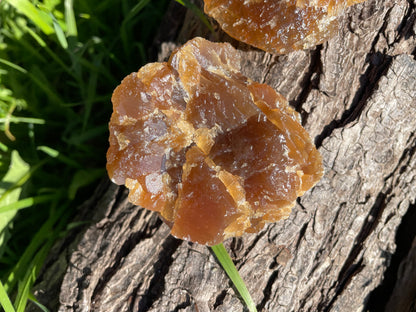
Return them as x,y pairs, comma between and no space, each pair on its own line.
278,26
215,153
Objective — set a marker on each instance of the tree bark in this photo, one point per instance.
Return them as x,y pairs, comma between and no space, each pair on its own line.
357,96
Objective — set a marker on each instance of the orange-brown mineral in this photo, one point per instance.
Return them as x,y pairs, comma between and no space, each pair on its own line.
278,26
213,152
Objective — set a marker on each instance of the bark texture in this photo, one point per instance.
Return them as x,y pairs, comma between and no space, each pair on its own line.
357,96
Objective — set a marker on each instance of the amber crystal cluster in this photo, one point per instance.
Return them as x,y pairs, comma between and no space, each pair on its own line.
215,153
278,26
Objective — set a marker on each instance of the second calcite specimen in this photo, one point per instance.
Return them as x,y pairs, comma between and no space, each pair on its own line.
278,26
215,153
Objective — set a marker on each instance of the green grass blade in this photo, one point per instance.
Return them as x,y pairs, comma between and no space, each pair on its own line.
44,235
70,19
23,120
136,10
188,4
232,272
13,65
91,93
26,203
83,178
5,300
43,44
3,148
58,155
7,121
37,303
88,135
59,33
10,189
42,81
38,17
124,29
104,72
23,293
49,91
30,278
22,179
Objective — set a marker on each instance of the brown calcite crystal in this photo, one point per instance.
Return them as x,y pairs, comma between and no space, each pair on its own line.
213,152
278,26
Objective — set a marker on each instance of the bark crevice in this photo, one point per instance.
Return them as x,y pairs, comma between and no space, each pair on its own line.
161,267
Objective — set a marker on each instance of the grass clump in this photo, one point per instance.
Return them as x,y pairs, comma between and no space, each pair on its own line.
59,62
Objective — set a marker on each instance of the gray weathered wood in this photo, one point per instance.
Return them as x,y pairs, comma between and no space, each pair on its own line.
357,96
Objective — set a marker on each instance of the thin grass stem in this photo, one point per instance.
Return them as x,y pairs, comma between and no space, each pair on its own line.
71,23
197,12
26,203
232,272
14,119
5,300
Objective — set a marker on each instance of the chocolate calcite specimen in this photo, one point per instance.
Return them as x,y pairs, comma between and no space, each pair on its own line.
278,26
214,153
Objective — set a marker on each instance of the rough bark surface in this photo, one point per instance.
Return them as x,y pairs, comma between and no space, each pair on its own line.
357,97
